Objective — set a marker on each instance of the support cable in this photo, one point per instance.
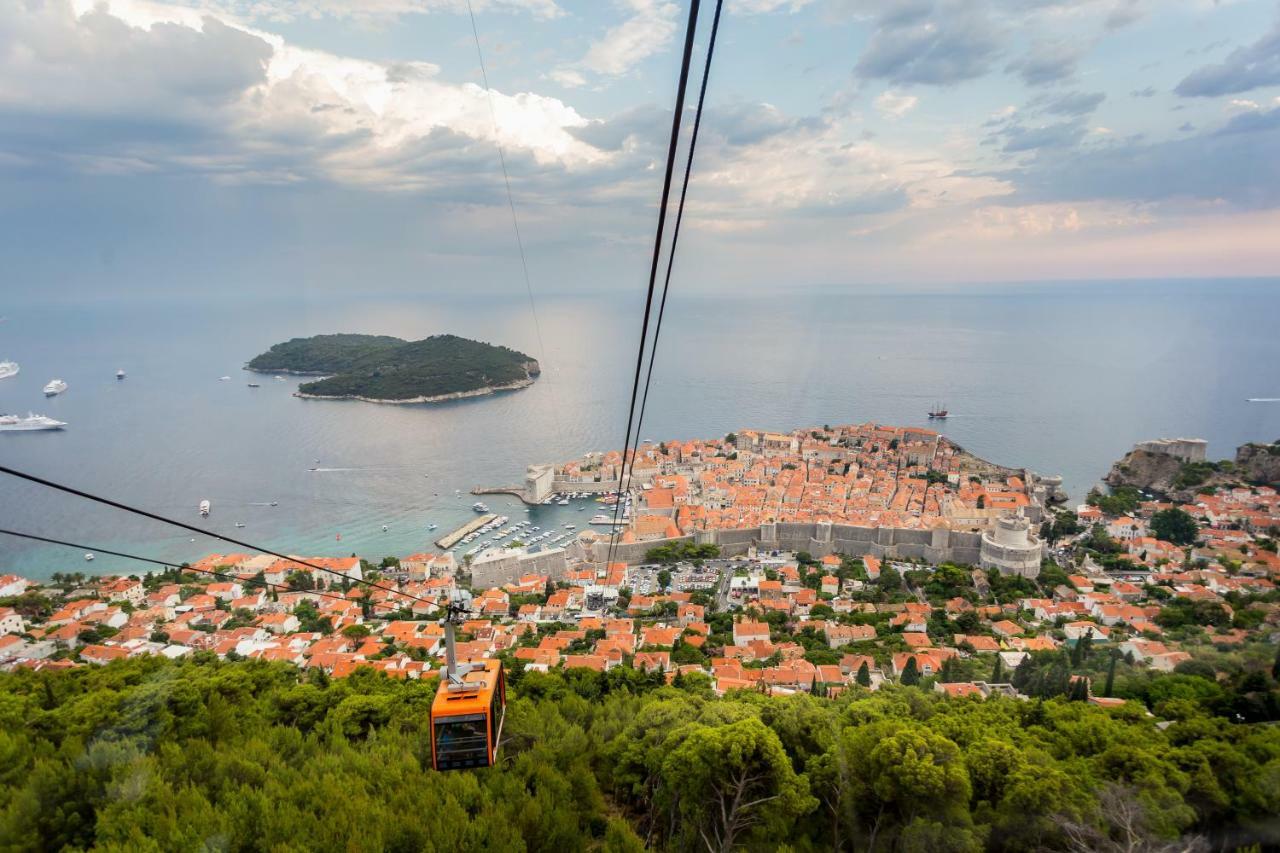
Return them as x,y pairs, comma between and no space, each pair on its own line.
169,564
676,117
192,528
515,220
675,232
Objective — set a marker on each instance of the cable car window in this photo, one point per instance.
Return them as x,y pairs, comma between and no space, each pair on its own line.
461,742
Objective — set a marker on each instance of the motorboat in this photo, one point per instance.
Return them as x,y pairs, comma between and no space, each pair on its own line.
205,506
13,423
54,388
120,374
8,368
88,556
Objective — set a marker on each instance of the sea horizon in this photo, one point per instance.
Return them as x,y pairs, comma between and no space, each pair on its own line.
1059,379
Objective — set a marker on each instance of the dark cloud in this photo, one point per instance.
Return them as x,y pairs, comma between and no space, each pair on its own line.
1236,164
99,65
1070,103
1047,63
936,43
1245,68
649,126
1064,134
1125,13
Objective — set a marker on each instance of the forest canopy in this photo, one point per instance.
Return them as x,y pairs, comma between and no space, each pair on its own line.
148,754
378,367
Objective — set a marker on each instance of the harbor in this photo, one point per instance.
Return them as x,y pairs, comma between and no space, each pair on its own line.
451,539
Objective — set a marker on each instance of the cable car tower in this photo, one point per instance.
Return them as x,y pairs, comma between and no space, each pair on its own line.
470,703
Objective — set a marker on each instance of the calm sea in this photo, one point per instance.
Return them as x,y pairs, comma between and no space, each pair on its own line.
1061,378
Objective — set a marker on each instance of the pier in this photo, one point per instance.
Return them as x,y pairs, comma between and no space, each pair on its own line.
449,540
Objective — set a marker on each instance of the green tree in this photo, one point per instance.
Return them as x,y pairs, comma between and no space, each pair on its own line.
735,782
911,672
864,675
1175,525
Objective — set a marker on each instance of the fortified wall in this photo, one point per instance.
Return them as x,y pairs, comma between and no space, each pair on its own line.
508,566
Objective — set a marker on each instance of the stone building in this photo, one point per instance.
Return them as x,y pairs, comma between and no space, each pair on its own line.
1186,449
1010,546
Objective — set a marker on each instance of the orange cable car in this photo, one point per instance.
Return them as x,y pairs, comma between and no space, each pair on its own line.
469,708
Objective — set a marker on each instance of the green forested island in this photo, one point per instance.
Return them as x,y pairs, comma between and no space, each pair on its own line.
149,754
384,369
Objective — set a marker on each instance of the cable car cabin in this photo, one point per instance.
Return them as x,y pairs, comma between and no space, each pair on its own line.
466,718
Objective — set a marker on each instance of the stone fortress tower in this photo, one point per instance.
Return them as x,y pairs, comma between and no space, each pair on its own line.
1010,546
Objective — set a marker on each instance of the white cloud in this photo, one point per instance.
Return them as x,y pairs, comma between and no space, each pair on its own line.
365,10
896,105
764,7
567,77
647,31
245,105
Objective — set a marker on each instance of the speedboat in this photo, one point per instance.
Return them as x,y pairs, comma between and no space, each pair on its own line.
120,373
8,368
89,556
239,524
432,526
54,388
385,528
205,506
224,378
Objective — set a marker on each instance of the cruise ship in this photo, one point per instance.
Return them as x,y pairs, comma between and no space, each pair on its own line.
8,368
54,388
13,423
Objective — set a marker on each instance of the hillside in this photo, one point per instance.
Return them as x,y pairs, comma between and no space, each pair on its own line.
379,368
1167,476
149,754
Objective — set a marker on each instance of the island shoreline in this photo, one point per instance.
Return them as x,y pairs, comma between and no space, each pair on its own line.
438,398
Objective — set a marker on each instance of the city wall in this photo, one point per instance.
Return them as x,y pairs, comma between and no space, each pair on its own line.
509,568
820,539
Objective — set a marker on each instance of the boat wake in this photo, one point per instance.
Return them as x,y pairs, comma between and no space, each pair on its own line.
1264,400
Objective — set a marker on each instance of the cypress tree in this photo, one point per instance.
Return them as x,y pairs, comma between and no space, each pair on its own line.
1111,674
911,672
997,672
864,675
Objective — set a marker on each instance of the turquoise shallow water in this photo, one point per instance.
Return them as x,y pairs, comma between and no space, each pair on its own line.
1062,378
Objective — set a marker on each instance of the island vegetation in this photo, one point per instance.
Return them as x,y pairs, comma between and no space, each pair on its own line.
385,369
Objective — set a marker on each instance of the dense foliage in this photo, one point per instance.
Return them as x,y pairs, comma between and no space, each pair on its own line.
147,754
385,368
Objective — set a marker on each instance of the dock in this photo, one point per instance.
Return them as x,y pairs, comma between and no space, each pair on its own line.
449,540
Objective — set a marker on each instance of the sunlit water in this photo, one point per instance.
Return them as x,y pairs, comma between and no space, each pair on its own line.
1060,378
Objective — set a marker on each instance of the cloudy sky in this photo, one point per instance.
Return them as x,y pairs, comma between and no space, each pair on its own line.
257,145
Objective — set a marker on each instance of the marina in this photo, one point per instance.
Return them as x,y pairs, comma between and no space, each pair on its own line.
451,539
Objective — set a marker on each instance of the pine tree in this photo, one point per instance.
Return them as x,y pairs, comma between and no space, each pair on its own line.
864,674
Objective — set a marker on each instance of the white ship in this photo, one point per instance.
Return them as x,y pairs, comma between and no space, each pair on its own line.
54,388
602,518
8,368
13,423
479,507
205,506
